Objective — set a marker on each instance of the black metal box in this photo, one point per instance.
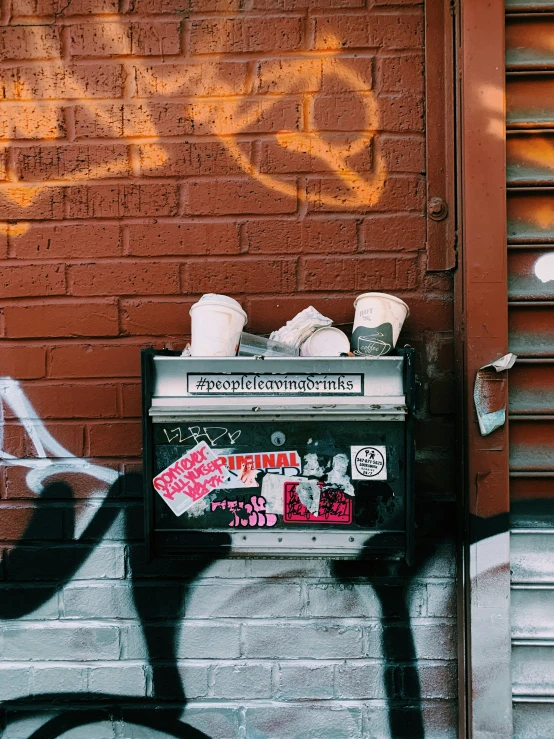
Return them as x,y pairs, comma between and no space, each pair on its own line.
274,457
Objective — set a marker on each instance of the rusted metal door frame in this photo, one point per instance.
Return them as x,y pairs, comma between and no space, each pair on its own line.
482,337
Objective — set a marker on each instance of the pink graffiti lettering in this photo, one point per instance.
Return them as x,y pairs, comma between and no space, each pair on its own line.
182,475
247,514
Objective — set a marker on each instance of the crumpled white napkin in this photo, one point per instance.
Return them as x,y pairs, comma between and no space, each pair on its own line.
299,328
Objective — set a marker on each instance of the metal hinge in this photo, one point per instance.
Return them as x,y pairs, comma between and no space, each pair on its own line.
453,7
455,250
447,259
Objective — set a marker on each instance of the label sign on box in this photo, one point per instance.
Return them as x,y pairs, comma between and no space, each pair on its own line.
250,383
190,478
368,462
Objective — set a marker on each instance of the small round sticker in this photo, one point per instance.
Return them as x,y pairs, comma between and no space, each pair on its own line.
369,461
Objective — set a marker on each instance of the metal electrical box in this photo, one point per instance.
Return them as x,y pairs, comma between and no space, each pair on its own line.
279,457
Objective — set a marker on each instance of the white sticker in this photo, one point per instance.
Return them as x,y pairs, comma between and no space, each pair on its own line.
368,462
272,490
338,476
309,494
190,478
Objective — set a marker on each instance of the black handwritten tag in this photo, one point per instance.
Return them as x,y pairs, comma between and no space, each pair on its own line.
334,506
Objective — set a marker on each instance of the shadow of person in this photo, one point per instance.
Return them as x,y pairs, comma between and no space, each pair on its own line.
162,638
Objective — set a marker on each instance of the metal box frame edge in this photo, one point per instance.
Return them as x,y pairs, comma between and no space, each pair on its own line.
221,550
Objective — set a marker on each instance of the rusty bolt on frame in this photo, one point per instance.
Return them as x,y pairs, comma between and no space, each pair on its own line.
437,209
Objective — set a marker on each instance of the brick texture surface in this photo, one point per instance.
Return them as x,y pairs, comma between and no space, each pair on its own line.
150,151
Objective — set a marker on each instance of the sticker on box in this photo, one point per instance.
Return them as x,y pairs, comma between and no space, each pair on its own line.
246,470
252,513
368,462
304,504
273,487
190,478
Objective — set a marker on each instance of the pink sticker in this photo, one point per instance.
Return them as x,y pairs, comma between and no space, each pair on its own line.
334,506
252,514
190,478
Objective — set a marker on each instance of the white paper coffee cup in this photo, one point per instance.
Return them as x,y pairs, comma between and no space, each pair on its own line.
326,342
216,325
377,323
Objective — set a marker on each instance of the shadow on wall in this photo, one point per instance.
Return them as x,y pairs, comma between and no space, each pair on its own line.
159,641
390,581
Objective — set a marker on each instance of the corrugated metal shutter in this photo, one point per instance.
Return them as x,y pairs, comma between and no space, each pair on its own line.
530,173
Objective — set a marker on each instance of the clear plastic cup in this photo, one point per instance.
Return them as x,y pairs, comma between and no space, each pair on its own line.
255,346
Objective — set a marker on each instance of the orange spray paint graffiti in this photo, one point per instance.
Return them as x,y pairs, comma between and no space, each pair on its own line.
350,156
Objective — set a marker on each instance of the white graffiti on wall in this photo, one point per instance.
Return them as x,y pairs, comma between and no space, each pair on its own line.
41,466
212,434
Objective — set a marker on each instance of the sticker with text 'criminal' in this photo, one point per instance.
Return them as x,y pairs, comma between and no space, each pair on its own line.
190,478
245,469
368,462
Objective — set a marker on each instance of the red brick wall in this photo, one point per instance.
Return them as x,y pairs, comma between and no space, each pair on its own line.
150,151
268,149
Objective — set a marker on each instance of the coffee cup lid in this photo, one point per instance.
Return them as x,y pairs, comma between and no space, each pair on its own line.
216,299
327,339
383,295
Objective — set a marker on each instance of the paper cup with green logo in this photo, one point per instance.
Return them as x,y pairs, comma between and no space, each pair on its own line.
216,325
377,323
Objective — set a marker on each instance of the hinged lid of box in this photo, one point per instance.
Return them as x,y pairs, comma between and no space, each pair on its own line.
234,386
